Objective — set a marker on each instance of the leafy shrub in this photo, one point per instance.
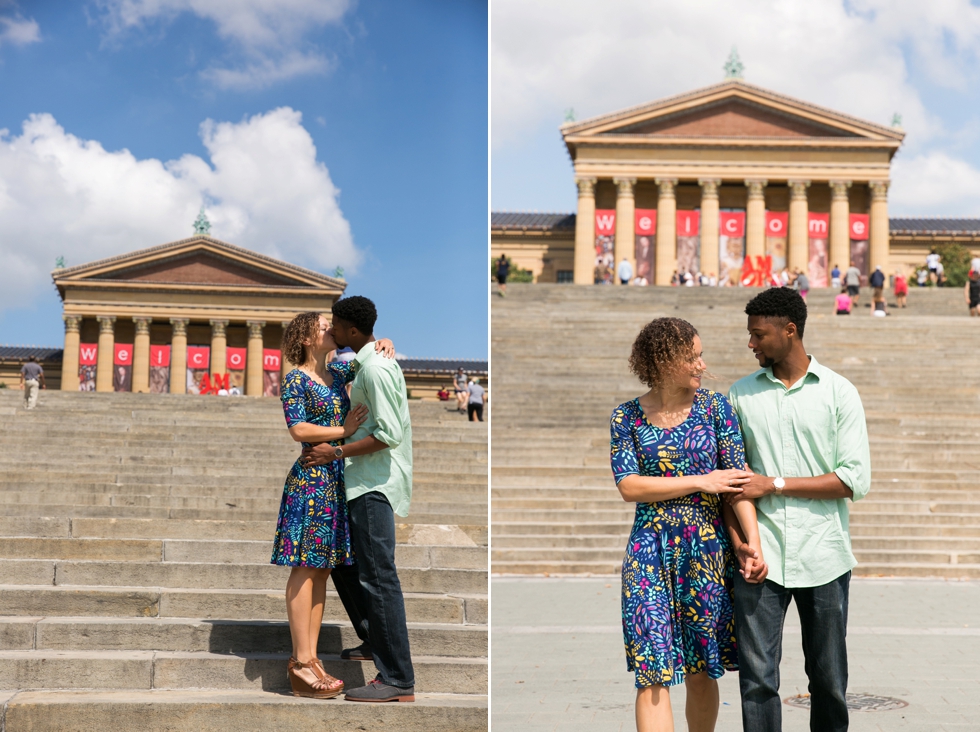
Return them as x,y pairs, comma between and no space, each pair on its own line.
956,263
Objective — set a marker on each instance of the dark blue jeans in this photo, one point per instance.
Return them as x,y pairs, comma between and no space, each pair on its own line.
760,610
371,592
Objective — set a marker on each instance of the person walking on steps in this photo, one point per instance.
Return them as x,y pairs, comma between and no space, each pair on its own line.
503,269
378,482
459,384
477,398
31,379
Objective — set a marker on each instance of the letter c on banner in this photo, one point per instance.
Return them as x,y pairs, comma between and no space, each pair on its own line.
731,226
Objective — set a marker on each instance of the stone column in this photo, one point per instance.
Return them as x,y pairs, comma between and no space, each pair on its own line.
585,232
178,356
799,232
666,254
253,359
879,226
755,219
840,229
709,226
69,358
625,208
107,341
141,356
219,347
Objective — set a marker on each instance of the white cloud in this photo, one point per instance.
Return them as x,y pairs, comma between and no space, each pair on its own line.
19,31
262,186
935,184
265,34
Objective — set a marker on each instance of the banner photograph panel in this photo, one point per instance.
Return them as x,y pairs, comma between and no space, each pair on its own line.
645,243
818,226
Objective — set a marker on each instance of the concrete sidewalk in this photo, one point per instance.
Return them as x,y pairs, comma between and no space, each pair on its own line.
559,665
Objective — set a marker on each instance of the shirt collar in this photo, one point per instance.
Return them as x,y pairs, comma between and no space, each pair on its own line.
815,369
364,355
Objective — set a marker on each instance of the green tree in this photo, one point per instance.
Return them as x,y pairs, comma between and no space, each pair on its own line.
516,274
956,263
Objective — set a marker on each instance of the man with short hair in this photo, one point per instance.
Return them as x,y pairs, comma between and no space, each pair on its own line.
378,484
477,398
877,281
31,379
806,442
852,280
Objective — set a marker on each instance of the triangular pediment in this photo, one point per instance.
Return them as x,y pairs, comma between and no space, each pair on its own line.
732,109
200,261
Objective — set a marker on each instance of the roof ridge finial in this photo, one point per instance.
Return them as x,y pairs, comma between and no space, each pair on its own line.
201,224
734,66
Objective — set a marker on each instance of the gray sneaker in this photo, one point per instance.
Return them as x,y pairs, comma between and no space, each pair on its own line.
376,691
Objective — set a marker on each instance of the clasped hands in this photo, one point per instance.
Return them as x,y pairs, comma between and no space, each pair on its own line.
739,485
323,452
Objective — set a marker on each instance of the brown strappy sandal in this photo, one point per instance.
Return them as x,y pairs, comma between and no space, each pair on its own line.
327,678
301,687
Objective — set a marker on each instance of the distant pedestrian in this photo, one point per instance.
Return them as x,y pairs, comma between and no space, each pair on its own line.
842,303
940,275
503,269
31,379
459,384
835,276
852,278
921,277
932,264
802,284
972,292
901,289
877,281
625,272
477,398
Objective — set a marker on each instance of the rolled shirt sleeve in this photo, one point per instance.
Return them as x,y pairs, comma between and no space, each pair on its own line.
853,459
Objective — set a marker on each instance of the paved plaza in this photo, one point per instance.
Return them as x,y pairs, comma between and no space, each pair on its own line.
559,665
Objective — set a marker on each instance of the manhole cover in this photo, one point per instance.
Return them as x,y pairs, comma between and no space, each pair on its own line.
857,702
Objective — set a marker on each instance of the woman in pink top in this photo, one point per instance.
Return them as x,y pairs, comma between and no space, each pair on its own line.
901,288
842,303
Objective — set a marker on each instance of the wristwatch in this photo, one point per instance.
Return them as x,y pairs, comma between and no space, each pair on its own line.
338,452
779,484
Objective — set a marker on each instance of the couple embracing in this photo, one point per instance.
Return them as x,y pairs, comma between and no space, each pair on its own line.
759,482
340,497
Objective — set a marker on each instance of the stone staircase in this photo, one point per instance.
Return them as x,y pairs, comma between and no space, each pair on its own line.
559,356
135,584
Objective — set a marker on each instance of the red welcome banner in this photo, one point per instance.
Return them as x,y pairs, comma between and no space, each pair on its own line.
88,354
198,357
731,224
818,225
646,221
159,356
271,360
605,222
235,358
777,223
123,354
688,222
859,226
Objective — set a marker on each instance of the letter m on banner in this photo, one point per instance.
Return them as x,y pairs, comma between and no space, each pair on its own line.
271,360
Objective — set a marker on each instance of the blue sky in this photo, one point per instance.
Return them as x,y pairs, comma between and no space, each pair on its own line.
868,58
392,95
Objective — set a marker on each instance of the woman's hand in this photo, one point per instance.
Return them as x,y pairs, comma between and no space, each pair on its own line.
355,418
385,347
719,482
751,564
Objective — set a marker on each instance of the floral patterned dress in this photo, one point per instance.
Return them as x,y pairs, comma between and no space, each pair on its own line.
313,529
679,567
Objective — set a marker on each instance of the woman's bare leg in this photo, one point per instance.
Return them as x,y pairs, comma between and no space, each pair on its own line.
318,597
299,609
702,702
653,712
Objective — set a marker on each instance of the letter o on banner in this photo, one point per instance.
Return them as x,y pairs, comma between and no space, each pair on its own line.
235,359
777,223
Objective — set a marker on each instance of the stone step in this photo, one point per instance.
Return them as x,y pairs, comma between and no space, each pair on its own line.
218,636
145,670
219,711
236,604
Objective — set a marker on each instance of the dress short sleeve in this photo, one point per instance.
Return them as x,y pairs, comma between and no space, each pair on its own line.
731,449
622,447
293,398
342,371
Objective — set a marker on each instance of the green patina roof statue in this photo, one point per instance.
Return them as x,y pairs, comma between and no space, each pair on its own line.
734,66
201,224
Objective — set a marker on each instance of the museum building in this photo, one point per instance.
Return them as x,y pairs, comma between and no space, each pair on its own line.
733,181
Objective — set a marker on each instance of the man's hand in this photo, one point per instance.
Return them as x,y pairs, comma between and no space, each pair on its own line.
757,487
318,455
751,564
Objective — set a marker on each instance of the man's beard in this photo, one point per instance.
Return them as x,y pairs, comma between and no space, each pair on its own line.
768,363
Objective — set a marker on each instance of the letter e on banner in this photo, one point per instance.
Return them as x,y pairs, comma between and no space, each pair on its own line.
687,223
235,358
88,354
777,223
646,221
271,360
819,225
198,357
605,222
731,224
160,356
859,227
123,355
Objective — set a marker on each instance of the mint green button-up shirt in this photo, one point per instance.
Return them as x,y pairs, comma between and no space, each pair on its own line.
814,427
380,385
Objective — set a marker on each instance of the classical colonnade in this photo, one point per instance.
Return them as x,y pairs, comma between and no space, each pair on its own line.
178,353
755,245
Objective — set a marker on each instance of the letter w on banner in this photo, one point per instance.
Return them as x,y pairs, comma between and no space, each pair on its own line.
88,357
605,258
271,365
122,367
859,244
818,225
159,369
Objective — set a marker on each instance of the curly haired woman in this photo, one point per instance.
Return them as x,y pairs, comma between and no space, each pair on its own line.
676,451
312,534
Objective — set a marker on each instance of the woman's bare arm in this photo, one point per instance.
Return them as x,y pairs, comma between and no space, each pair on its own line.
648,489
